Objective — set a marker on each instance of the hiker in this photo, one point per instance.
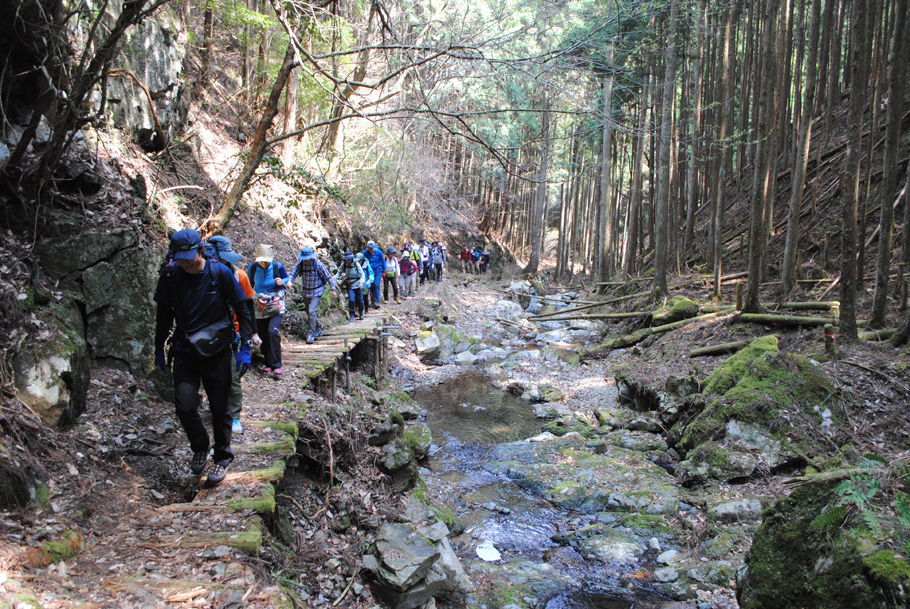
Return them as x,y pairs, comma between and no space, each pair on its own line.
374,256
475,259
423,253
268,278
409,270
484,261
196,295
313,279
224,253
466,259
368,278
390,276
438,259
351,276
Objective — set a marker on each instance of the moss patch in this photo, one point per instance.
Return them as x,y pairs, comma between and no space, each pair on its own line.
764,388
288,427
55,550
264,503
677,308
738,365
508,594
794,564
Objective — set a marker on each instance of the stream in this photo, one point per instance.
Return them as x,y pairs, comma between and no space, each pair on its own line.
475,425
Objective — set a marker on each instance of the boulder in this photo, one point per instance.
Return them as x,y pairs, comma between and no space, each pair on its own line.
508,310
741,510
714,461
419,438
813,551
399,463
465,358
427,345
51,374
550,393
410,569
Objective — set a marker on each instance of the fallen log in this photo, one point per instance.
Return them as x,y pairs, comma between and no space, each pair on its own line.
883,334
825,305
587,305
636,337
785,321
607,316
720,349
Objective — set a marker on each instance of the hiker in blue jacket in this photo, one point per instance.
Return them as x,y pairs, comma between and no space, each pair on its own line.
268,279
376,258
196,296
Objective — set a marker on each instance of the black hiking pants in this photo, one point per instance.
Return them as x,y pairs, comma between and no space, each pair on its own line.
214,374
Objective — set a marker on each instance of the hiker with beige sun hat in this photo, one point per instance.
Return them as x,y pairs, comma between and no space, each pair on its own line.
269,281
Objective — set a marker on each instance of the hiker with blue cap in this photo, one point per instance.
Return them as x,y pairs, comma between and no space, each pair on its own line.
223,251
351,277
196,296
373,254
313,277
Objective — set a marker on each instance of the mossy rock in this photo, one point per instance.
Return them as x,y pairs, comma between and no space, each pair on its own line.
418,438
762,400
550,393
726,376
676,308
68,545
794,564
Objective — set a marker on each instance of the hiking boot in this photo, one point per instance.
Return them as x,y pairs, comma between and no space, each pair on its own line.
217,473
197,465
266,369
278,371
361,315
397,301
309,339
236,426
351,317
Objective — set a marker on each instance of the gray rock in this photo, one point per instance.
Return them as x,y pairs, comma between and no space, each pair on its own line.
465,358
613,547
667,574
668,558
427,346
405,556
742,510
508,310
419,438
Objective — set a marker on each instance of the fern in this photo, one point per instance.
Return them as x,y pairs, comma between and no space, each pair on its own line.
902,506
833,516
872,523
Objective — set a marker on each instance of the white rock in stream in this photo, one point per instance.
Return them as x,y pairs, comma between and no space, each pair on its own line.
465,358
488,552
668,558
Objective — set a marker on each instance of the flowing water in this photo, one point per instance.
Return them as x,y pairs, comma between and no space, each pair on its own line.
469,417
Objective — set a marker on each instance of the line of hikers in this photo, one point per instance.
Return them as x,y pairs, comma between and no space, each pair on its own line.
212,312
474,260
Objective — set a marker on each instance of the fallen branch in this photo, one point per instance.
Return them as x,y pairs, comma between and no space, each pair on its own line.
825,305
785,321
719,349
891,380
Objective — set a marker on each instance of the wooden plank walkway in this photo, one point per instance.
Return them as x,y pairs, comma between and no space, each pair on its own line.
231,514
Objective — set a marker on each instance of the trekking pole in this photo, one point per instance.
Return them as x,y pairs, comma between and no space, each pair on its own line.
334,381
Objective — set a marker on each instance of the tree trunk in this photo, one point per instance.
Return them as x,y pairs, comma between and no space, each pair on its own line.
797,184
661,219
605,227
897,81
257,147
850,173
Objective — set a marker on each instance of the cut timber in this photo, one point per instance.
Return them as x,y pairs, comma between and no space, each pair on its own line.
636,337
883,334
812,306
786,321
714,308
633,314
720,349
625,281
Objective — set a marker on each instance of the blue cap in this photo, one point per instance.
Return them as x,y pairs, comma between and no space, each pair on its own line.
184,244
224,250
306,253
390,251
348,256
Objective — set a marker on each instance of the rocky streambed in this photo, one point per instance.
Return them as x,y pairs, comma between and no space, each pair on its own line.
642,478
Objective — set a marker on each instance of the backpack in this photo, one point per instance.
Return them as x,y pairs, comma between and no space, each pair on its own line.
351,275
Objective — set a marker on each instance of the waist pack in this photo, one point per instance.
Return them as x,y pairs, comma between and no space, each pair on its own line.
390,271
269,305
212,339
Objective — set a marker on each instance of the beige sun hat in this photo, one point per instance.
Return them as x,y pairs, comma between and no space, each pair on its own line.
264,253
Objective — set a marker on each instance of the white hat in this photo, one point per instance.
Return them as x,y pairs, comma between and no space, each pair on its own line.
264,253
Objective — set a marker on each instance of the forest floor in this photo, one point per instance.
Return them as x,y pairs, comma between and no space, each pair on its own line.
127,457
